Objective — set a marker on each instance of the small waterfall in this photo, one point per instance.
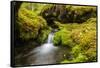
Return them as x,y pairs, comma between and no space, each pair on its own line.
50,37
45,54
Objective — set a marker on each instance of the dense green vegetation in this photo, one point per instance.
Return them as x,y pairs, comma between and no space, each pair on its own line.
31,25
76,27
81,38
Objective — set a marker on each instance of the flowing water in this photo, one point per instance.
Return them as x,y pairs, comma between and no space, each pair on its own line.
47,53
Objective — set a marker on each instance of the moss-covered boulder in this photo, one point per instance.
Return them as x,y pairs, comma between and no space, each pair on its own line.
81,38
85,37
43,35
63,37
88,44
29,24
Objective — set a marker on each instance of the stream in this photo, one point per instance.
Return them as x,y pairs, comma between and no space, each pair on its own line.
47,53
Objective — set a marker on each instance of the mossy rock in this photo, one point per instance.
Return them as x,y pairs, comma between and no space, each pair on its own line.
85,37
63,37
88,44
43,35
30,25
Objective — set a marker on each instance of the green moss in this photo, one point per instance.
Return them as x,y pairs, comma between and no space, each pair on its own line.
91,20
82,36
30,24
34,7
88,44
43,35
76,27
86,38
80,14
76,50
79,58
63,37
66,61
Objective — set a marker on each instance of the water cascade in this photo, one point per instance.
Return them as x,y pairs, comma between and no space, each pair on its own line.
45,54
